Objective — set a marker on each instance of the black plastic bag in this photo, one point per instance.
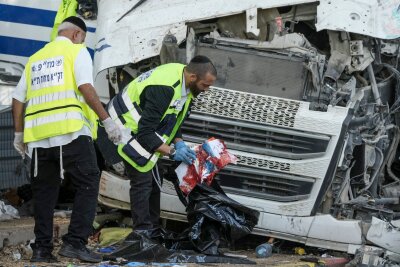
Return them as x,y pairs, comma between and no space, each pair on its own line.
215,218
137,247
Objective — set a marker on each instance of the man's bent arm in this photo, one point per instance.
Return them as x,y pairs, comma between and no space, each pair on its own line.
92,99
18,115
165,149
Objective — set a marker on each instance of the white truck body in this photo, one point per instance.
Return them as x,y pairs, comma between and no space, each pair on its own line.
276,59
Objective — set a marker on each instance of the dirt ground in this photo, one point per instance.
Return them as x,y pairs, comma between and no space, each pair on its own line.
6,259
19,255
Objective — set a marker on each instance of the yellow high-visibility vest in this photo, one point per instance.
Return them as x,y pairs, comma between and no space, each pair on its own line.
67,9
54,105
124,108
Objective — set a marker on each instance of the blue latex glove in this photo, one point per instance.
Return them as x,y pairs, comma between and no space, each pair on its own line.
184,153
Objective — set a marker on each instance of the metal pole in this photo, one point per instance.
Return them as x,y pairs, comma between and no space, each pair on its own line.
374,87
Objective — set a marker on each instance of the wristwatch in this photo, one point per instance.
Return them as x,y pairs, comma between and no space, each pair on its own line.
172,153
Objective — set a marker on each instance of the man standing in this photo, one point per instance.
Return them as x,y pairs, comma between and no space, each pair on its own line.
153,107
54,111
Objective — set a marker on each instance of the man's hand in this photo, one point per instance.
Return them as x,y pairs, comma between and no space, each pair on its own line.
113,131
19,143
184,153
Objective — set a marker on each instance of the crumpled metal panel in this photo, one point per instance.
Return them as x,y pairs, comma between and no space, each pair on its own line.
385,234
139,34
376,18
261,72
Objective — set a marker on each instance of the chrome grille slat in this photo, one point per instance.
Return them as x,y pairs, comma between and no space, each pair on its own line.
263,143
248,107
270,141
267,184
282,182
244,135
270,187
263,164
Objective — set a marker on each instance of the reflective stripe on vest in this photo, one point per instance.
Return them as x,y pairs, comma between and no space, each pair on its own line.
53,118
124,108
122,104
53,97
54,104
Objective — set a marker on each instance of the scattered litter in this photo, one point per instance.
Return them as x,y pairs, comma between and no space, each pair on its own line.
112,235
228,254
138,264
135,264
106,249
16,256
167,264
264,250
180,257
108,265
299,251
313,260
335,261
7,212
62,213
26,251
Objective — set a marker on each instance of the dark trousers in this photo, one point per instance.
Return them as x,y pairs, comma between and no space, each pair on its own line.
145,199
80,163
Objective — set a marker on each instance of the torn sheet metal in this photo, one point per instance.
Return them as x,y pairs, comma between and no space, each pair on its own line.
385,234
139,34
376,18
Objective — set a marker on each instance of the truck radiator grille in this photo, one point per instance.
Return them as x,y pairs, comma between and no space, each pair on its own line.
257,183
248,107
253,138
264,184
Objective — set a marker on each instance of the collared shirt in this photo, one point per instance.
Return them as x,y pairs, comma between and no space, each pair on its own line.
185,91
83,72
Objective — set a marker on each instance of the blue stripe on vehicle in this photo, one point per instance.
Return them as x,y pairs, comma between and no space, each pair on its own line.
31,16
102,47
19,46
23,47
91,52
26,15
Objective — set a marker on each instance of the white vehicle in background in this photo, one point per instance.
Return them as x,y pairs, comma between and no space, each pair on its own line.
307,97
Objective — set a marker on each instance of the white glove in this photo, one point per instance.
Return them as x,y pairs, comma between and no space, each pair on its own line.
19,143
113,131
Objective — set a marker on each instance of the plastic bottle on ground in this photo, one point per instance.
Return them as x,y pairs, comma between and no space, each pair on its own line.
264,250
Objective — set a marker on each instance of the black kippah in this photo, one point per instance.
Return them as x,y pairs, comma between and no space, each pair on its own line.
77,22
200,59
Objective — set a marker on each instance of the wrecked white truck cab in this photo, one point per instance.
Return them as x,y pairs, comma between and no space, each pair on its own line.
307,97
